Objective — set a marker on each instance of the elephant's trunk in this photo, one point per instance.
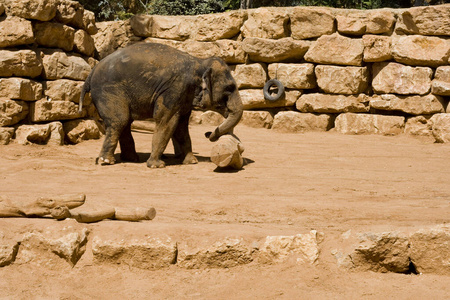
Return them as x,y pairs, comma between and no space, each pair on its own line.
235,110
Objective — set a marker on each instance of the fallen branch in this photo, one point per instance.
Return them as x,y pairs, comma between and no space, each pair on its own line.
124,214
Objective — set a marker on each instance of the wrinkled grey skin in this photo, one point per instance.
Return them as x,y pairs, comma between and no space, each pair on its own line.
148,80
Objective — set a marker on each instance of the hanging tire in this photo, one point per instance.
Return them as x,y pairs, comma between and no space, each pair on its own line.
268,85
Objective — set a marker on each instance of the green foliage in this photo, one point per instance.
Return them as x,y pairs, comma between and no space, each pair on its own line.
184,7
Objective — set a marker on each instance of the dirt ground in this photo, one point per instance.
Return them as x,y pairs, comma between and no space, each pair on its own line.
293,183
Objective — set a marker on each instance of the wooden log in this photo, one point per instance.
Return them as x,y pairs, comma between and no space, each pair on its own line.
135,214
227,152
123,214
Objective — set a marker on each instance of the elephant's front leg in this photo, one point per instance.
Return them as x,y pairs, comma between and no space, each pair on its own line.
182,141
163,132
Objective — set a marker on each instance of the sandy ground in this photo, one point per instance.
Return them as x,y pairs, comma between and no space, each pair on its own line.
293,183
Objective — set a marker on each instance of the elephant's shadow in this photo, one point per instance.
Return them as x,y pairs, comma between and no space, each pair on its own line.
169,159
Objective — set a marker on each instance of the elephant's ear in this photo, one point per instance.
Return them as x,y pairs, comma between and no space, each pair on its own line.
207,87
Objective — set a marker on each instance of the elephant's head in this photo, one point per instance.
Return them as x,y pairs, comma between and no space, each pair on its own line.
220,94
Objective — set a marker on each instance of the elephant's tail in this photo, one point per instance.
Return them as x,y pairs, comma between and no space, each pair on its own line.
86,88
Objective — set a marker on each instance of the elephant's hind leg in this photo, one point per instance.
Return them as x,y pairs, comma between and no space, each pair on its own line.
127,146
182,142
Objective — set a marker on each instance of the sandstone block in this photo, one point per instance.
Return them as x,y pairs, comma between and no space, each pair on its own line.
420,50
213,27
396,78
309,23
342,80
83,43
33,134
20,89
15,31
8,250
19,63
211,118
350,25
58,64
294,76
89,22
231,51
430,250
79,130
267,50
422,20
304,248
177,28
42,10
377,48
44,111
6,134
227,253
266,23
336,49
63,90
70,12
49,248
380,21
11,112
145,253
56,134
441,127
249,76
195,117
253,99
113,35
350,123
420,126
291,121
377,252
141,25
415,105
441,82
257,119
54,35
322,103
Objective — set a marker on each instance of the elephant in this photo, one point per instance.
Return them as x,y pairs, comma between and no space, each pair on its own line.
151,80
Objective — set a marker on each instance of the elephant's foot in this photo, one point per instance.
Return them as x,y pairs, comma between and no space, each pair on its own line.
131,157
155,163
190,159
105,161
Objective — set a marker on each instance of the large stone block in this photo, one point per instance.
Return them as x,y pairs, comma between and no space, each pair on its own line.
33,134
267,50
350,123
44,111
294,76
415,105
377,48
249,76
70,12
15,31
83,43
42,10
63,90
257,119
266,23
226,253
389,77
323,103
380,21
6,134
336,49
309,23
54,35
8,250
89,22
359,22
425,20
342,80
291,121
377,252
303,248
441,127
420,50
430,250
254,99
58,64
441,82
20,89
26,63
419,125
80,130
177,28
56,134
11,112
212,27
145,253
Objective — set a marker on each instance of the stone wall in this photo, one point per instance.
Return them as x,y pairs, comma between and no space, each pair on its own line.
46,53
354,71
